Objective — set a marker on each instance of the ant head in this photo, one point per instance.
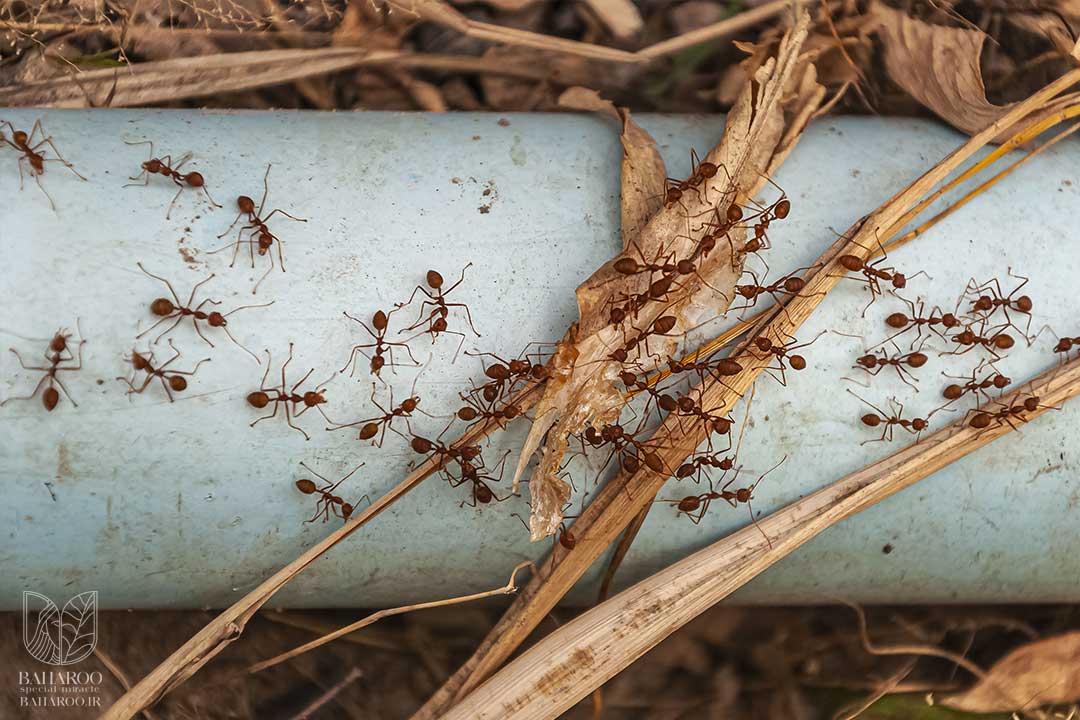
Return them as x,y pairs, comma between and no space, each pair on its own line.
246,204
1031,404
953,392
138,361
152,166
369,430
1001,382
949,320
794,285
346,510
265,241
1063,345
312,398
468,414
1023,303
37,163
619,355
747,291
434,279
867,361
377,363
707,169
491,393
177,383
728,367
965,337
708,242
782,208
689,504
628,378
763,344
194,179
899,321
721,426
421,445
379,320
410,403
743,495
734,213
726,464
58,343
899,280
216,319
983,303
258,399
686,404
519,367
305,486
672,196
979,421
49,398
19,137
871,420
798,362
1003,341
626,266
917,359
616,316
851,262
611,432
162,307
511,411
919,424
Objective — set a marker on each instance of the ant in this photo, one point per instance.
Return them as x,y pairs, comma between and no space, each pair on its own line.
432,448
281,398
22,142
981,420
261,236
370,428
474,411
688,407
903,323
482,494
969,339
328,502
700,171
171,380
164,167
768,347
565,537
436,319
380,321
615,435
1065,346
60,353
788,285
995,380
873,275
662,326
989,297
873,364
167,309
914,426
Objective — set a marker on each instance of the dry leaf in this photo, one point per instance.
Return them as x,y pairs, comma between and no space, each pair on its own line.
585,391
621,17
939,67
1045,672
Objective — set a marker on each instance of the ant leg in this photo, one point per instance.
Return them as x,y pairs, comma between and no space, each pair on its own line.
165,332
145,175
62,387
175,198
281,258
269,269
37,179
300,382
60,157
468,315
418,288
191,298
266,189
31,395
163,280
267,417
288,419
207,193
275,211
198,330
28,367
237,344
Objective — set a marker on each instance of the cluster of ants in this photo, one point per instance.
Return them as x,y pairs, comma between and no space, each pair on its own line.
625,444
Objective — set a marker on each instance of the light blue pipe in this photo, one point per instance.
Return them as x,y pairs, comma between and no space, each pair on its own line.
184,505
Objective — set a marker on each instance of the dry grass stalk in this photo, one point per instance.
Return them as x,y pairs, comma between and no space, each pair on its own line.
564,667
624,497
375,617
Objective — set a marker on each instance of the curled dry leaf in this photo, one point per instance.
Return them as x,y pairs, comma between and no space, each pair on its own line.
583,390
1045,672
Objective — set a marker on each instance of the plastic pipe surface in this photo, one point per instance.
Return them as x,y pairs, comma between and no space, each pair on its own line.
183,504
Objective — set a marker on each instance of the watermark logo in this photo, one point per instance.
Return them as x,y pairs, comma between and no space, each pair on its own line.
60,637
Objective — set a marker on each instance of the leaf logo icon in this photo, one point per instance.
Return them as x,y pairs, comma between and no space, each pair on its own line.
60,637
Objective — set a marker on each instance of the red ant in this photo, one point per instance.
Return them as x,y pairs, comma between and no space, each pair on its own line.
700,171
788,285
436,319
873,364
687,406
662,326
969,339
60,353
167,309
700,503
164,167
903,323
171,380
995,380
981,420
22,142
874,275
328,502
482,494
261,236
370,428
281,398
768,347
380,321
615,435
989,297
474,411
914,426
433,448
